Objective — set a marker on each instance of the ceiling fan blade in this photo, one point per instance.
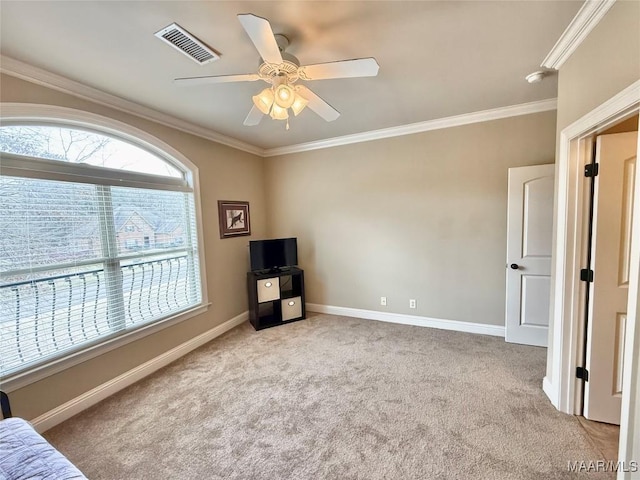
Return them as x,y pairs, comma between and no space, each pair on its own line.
317,104
247,77
254,117
261,34
361,67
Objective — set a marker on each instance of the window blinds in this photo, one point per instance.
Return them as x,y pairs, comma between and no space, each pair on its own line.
81,262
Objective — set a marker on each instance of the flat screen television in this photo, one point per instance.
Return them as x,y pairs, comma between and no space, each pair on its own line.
273,254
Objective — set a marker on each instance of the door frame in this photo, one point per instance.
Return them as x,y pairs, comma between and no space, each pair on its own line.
567,310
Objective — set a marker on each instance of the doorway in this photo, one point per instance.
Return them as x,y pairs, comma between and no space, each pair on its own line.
611,176
568,310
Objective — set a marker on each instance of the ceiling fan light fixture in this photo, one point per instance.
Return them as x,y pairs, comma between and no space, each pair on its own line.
264,100
282,70
285,96
279,113
298,104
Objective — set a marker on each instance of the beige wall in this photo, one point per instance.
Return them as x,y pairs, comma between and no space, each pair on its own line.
605,63
421,216
225,173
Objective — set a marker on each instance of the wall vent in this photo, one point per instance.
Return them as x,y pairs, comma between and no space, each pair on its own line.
181,40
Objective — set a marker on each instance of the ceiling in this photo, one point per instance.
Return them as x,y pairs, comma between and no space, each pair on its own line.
437,58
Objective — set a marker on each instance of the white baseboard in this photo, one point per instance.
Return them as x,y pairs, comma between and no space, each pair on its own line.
67,410
456,325
550,391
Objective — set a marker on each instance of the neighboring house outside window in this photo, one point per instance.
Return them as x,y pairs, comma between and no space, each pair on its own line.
97,238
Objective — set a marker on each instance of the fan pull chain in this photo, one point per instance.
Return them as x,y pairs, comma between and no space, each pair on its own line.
287,127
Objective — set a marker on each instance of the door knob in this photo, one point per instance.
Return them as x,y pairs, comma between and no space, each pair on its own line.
514,266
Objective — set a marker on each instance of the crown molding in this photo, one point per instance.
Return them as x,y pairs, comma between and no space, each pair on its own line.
438,124
24,71
585,20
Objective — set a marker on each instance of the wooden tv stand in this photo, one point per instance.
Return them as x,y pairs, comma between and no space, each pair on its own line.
276,298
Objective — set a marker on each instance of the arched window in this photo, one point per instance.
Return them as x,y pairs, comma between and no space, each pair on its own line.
97,238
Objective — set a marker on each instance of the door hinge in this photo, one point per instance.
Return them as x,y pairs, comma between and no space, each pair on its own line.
591,170
586,275
582,373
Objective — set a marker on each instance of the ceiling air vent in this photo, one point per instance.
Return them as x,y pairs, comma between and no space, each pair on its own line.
181,40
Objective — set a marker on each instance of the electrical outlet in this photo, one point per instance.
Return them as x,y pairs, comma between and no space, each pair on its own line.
412,303
383,301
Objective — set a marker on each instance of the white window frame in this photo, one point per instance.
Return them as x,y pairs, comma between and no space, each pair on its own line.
14,113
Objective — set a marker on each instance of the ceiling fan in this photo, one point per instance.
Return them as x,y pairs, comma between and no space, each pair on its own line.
282,70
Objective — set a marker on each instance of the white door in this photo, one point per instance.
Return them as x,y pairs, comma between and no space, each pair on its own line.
610,250
529,230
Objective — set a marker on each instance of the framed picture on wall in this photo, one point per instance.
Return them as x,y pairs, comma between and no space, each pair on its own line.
233,218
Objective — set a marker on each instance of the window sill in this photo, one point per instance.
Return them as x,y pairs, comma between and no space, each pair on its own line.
42,371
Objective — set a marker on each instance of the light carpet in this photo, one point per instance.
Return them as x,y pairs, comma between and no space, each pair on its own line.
334,398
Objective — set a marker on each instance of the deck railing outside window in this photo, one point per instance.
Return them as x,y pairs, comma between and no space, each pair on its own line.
42,317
